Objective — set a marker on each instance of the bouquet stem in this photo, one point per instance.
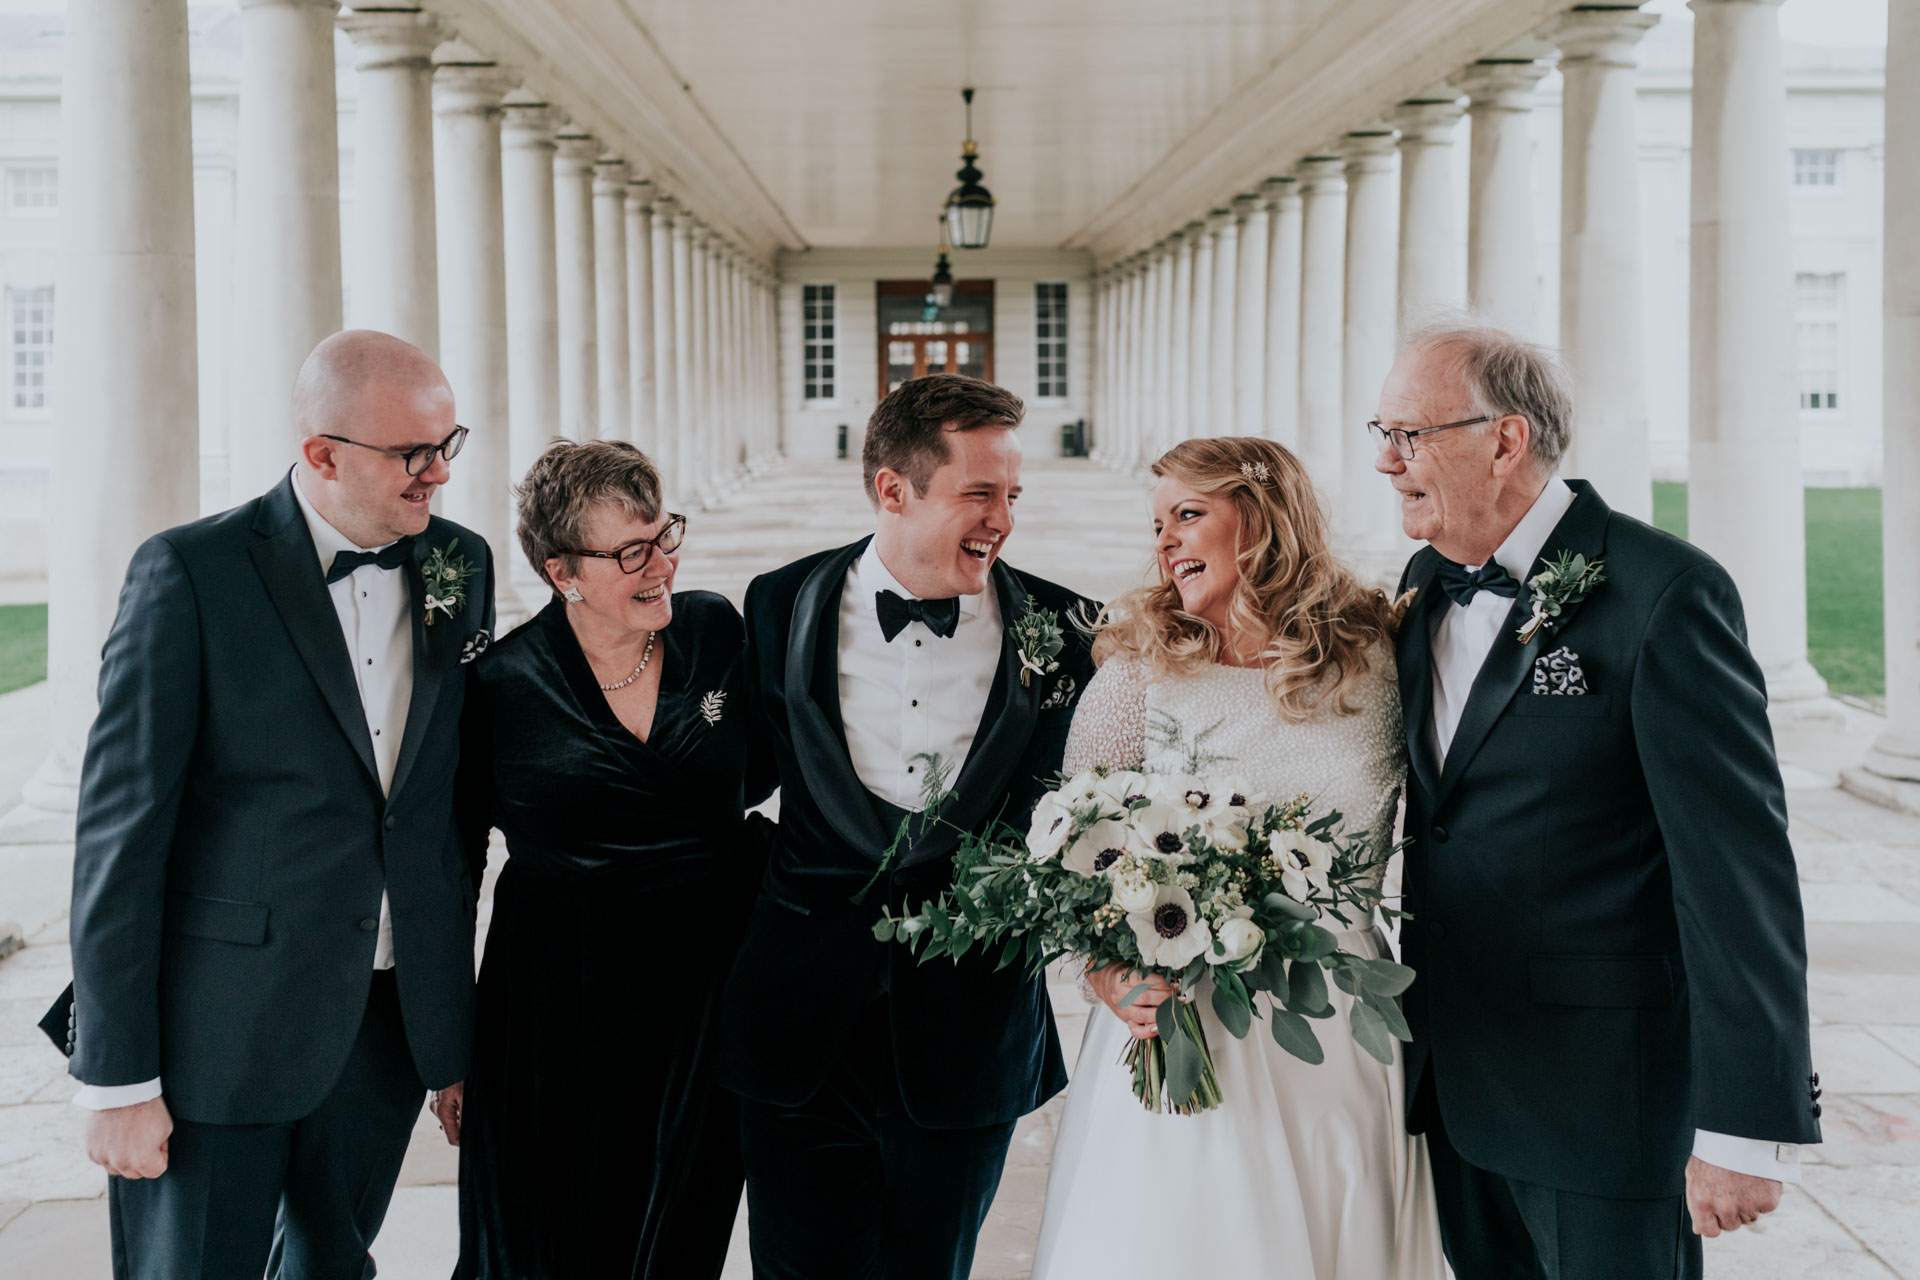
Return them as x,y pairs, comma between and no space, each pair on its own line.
1148,1058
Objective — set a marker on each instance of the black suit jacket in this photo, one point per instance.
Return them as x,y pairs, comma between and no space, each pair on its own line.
1607,926
233,841
971,1046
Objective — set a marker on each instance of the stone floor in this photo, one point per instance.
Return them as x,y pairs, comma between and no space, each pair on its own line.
1860,877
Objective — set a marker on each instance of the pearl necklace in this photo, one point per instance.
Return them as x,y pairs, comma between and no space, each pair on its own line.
645,654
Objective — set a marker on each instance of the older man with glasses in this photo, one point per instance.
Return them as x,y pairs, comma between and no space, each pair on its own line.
1610,1053
272,917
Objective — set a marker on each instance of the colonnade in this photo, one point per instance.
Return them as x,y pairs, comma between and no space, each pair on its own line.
1301,291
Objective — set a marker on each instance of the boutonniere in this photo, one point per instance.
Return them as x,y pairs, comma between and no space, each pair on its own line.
446,578
1567,581
1036,635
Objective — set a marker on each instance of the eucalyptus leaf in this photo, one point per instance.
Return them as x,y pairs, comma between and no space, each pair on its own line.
1271,973
1389,1011
1320,942
1281,905
884,929
1133,993
1008,950
1230,1005
1386,977
1307,989
1293,1033
1185,1062
1343,979
1370,1032
937,948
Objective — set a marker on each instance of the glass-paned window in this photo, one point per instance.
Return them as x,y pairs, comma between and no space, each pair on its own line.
1050,338
1817,326
33,189
30,346
1816,168
817,341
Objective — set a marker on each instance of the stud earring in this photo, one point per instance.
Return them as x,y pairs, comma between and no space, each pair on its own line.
572,595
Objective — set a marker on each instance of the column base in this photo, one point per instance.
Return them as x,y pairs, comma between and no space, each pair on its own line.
1796,694
1886,778
49,801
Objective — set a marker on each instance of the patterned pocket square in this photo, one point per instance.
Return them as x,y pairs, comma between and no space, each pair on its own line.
1062,695
1558,673
475,646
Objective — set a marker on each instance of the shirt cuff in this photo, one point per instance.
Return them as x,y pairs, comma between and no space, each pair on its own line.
1754,1157
109,1097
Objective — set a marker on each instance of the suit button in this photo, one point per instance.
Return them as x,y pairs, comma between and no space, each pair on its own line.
1816,1111
392,822
1436,930
369,924
1439,835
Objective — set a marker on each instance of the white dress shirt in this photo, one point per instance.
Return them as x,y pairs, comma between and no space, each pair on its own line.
918,694
372,605
1463,636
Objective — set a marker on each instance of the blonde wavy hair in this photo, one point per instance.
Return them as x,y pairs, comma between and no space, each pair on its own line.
1319,627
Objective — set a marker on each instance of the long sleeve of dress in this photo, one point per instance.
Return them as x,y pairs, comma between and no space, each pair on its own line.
1110,724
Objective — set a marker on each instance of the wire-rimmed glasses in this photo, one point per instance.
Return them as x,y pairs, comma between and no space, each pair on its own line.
1402,440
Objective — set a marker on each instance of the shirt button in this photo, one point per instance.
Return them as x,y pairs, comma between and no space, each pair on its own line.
909,768
369,661
916,644
915,702
369,924
376,733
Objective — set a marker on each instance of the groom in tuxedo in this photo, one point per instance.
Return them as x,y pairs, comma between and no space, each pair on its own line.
1610,1054
272,919
880,1095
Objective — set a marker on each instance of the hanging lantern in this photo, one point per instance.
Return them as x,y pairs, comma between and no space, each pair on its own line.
942,294
969,205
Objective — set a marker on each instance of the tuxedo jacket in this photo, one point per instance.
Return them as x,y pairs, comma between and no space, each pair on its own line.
233,841
1606,921
972,1046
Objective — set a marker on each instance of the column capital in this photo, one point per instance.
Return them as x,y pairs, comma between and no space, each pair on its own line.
385,38
575,151
1218,220
1370,148
331,6
610,176
1428,121
528,122
640,193
1324,171
1499,84
1245,205
469,88
1279,192
1194,231
1603,36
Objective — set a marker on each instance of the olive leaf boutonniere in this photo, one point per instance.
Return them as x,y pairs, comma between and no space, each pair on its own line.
446,580
1566,581
1036,634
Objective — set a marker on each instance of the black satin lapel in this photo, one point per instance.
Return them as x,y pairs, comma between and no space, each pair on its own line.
1416,681
289,567
429,667
1006,725
822,750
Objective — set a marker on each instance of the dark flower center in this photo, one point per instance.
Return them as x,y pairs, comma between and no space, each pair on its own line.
1237,799
1056,825
1199,799
1135,798
1169,920
1167,842
1105,858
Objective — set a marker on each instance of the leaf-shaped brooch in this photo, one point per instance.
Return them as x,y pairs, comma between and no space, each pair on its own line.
712,704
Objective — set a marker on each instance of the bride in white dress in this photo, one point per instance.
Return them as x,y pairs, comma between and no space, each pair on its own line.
1257,639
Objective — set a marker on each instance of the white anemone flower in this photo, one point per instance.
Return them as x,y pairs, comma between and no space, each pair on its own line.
1158,830
1170,932
1097,848
1082,788
1120,789
1304,863
1052,824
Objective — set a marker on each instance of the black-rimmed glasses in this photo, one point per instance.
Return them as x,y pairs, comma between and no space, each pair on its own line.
1402,439
634,556
416,460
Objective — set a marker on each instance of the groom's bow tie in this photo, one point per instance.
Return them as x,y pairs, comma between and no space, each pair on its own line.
1461,584
940,616
345,562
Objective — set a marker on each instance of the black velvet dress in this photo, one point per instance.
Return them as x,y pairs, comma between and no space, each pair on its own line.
593,1145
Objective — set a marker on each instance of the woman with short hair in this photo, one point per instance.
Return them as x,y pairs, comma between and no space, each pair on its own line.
606,741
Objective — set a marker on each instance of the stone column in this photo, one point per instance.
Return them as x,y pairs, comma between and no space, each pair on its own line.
573,160
1129,363
1367,514
1323,257
1895,755
713,424
667,281
126,465
1225,345
533,319
1601,326
686,460
467,90
1431,263
1501,287
696,432
639,252
1282,394
1164,401
1200,337
1180,340
396,276
613,409
1152,388
1250,319
1097,385
286,249
1746,501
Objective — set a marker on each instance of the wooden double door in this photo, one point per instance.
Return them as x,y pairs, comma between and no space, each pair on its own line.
917,338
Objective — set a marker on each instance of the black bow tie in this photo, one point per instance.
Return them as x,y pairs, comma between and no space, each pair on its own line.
939,616
1460,584
391,557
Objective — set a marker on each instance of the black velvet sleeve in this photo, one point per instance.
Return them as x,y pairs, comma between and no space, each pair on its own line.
473,780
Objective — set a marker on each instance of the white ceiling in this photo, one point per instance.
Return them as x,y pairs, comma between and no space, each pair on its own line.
1102,123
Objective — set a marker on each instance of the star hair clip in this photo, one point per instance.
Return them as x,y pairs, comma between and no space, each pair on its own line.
1255,471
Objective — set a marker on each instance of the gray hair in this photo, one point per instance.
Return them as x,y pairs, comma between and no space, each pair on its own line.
565,484
1508,375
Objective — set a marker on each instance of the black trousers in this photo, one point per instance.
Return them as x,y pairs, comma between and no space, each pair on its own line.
846,1187
298,1201
1498,1228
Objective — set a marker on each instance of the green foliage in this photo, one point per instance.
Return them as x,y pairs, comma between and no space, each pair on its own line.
23,645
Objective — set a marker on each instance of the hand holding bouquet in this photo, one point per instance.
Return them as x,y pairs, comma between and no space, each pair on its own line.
1189,879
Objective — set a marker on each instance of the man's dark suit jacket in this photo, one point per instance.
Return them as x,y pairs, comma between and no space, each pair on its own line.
233,841
1607,928
971,1046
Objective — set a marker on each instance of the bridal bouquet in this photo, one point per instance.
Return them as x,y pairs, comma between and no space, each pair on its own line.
1190,878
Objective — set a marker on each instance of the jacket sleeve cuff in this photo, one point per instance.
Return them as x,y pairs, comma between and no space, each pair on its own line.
108,1097
1752,1156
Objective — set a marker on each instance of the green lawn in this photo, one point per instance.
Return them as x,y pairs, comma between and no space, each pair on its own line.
23,645
1844,640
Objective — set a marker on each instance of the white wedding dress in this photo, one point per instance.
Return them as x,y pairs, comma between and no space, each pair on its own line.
1303,1172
